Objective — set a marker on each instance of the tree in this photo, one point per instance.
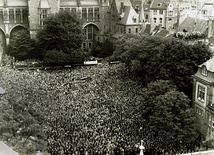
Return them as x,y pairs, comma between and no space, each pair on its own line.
167,59
103,49
62,32
165,118
21,45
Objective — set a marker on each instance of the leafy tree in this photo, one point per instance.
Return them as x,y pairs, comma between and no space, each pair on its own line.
165,119
21,45
103,49
62,32
167,59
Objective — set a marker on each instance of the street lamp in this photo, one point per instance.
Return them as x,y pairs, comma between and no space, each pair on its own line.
141,148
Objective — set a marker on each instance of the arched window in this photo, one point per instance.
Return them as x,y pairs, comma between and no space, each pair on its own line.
90,32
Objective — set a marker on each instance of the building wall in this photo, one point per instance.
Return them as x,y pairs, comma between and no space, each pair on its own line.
35,11
204,107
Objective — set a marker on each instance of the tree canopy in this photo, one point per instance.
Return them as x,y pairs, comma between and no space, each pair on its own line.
103,49
62,32
21,46
167,59
166,120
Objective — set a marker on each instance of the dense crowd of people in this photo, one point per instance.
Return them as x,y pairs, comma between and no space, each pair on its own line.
87,109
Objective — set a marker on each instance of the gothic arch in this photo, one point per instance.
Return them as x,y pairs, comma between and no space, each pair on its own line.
2,40
15,29
90,23
91,31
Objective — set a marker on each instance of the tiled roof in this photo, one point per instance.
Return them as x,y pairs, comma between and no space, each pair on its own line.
207,6
6,150
44,4
16,3
125,3
81,2
209,64
162,33
128,15
159,4
211,39
193,25
146,7
68,3
89,2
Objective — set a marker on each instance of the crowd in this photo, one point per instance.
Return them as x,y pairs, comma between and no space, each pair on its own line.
72,111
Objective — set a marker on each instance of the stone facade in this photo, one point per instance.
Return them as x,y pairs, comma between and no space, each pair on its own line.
101,17
203,97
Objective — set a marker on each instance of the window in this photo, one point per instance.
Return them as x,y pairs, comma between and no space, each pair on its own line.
155,12
147,16
170,13
67,9
161,20
134,20
210,120
90,14
155,20
84,46
204,71
204,12
159,5
160,12
18,16
25,15
129,30
1,16
201,93
11,16
89,45
90,32
43,16
199,111
74,10
97,14
84,13
213,123
136,30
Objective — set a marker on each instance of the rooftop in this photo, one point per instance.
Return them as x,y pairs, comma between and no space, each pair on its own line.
209,64
159,4
6,150
193,25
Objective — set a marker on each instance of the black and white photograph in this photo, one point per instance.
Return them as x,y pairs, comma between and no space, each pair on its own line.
106,77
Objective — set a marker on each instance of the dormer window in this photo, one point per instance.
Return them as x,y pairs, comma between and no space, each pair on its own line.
159,5
204,71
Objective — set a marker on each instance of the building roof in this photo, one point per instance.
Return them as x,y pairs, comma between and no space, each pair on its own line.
44,4
89,2
159,4
128,16
6,150
193,25
16,3
146,7
68,3
162,33
209,64
125,3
